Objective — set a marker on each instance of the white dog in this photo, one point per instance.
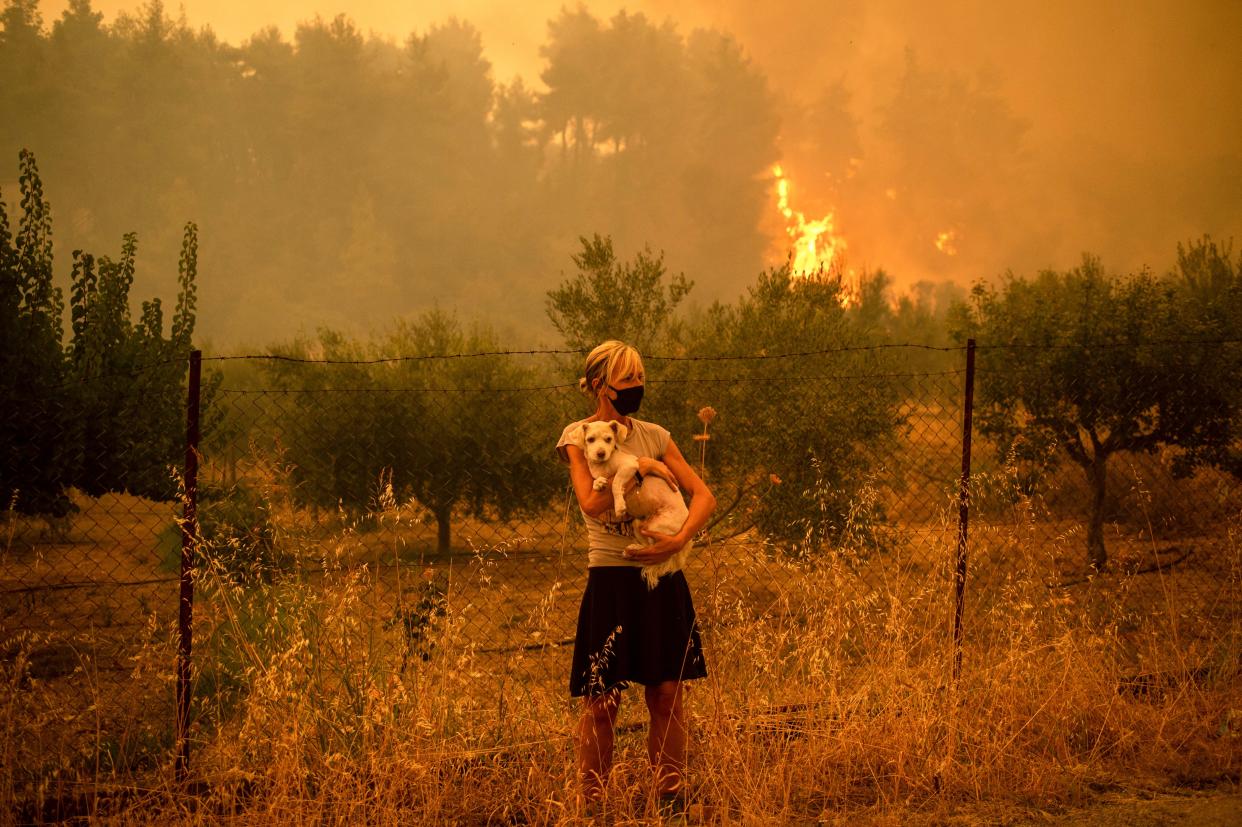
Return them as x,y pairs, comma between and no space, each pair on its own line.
653,504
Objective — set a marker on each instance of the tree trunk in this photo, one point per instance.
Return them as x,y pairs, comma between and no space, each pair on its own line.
1097,555
444,516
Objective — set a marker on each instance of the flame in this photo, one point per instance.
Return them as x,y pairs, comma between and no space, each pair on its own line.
946,242
815,243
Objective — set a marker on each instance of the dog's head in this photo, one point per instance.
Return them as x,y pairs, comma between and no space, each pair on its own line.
600,439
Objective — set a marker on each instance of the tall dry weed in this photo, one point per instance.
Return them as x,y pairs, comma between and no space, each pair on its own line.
830,692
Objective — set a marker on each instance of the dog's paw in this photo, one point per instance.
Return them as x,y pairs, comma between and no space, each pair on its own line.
600,483
620,510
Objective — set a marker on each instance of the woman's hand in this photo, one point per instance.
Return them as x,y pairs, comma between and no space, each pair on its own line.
649,467
664,547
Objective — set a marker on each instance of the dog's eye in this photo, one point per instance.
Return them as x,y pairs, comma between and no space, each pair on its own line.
590,439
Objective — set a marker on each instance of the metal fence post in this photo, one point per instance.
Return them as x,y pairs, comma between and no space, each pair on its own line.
189,531
963,510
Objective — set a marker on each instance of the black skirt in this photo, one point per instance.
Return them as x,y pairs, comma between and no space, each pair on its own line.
628,633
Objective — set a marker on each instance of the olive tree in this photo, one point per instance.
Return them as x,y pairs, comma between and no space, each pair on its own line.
612,299
795,436
1207,424
1092,365
461,434
801,415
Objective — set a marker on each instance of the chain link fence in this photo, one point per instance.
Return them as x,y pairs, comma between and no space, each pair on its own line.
415,510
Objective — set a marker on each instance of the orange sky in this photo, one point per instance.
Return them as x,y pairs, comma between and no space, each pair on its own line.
512,31
1158,68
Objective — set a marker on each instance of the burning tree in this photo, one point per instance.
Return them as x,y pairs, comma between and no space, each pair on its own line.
1091,366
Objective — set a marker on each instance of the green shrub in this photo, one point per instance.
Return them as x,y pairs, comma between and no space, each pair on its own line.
237,535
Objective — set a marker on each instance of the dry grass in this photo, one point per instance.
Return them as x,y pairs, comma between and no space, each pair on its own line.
830,698
338,695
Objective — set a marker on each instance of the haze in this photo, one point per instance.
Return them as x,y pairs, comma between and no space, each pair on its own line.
950,141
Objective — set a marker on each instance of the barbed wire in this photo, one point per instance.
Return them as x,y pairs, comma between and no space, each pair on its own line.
275,357
820,378
138,370
731,357
287,391
565,352
1100,345
740,357
573,386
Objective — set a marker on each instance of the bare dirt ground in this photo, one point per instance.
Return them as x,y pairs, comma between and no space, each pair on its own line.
1194,809
1216,807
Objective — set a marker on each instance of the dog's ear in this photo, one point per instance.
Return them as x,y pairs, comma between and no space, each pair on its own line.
579,437
620,430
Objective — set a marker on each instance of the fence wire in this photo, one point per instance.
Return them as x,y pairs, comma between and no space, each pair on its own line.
422,499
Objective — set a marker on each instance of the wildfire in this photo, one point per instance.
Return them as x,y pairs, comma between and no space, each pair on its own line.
946,242
815,243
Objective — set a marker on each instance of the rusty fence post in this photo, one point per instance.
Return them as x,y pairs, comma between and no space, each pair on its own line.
189,532
963,510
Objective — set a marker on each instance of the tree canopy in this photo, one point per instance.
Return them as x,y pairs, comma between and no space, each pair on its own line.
1085,365
104,411
788,457
347,179
608,299
460,436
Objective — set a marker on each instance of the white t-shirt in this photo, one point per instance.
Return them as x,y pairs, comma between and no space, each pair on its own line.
608,537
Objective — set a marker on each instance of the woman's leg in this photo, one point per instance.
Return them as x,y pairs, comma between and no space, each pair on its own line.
595,729
666,736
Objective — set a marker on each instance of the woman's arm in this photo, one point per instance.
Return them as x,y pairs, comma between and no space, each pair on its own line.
702,503
595,503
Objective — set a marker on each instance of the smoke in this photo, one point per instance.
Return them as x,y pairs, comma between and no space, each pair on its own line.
1104,127
1018,135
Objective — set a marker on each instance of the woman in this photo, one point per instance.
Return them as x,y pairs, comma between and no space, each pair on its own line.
628,633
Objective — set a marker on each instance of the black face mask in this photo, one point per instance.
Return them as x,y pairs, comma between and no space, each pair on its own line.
628,399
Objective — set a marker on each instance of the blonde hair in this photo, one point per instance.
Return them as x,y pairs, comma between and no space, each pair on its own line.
608,360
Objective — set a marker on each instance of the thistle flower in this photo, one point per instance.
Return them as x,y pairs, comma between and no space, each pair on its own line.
707,414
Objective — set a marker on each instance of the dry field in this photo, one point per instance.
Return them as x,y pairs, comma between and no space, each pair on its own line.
380,687
376,681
